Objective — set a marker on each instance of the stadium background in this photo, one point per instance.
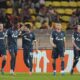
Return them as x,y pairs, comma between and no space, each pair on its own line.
58,11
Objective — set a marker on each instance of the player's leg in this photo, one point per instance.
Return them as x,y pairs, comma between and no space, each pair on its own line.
25,57
62,61
31,62
12,62
54,56
3,52
76,59
15,51
54,66
3,63
62,65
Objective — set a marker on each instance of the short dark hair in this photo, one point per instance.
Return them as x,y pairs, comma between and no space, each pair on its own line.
28,26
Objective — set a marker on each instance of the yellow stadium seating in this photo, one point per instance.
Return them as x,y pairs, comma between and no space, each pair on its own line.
60,11
78,3
19,10
32,11
37,25
65,18
56,3
33,18
47,3
72,4
68,11
9,2
9,11
64,26
64,4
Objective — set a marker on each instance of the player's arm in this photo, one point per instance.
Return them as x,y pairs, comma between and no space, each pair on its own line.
6,41
64,40
20,30
35,42
51,42
73,42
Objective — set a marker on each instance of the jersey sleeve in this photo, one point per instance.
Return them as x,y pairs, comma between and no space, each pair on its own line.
22,33
34,37
73,36
64,35
5,33
52,36
8,32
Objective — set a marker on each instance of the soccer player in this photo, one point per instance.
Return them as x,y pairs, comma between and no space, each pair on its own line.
76,46
2,47
57,40
12,36
28,38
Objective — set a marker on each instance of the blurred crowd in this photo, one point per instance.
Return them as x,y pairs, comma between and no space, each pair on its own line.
33,12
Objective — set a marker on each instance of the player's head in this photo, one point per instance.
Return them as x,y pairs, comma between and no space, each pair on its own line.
58,27
78,27
1,26
27,27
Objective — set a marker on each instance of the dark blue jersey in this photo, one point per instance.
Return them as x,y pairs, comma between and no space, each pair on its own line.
2,40
76,38
27,39
58,39
12,36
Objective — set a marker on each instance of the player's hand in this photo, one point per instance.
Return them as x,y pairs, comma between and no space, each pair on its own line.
54,46
77,48
36,51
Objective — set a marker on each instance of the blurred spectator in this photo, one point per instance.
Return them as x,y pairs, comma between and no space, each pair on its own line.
2,16
79,18
26,17
73,21
42,1
29,3
53,16
44,25
3,4
77,12
43,14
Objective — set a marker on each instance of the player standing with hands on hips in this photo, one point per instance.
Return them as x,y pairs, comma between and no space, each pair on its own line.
57,40
76,47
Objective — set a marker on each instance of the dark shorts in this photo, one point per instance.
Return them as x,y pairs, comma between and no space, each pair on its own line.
76,54
12,49
2,51
28,52
57,52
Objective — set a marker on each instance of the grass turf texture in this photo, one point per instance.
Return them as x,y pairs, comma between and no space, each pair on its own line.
39,76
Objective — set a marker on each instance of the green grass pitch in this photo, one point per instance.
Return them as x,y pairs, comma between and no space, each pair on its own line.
39,76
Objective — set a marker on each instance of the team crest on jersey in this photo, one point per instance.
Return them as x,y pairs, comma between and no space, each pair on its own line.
56,34
15,34
30,35
61,34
